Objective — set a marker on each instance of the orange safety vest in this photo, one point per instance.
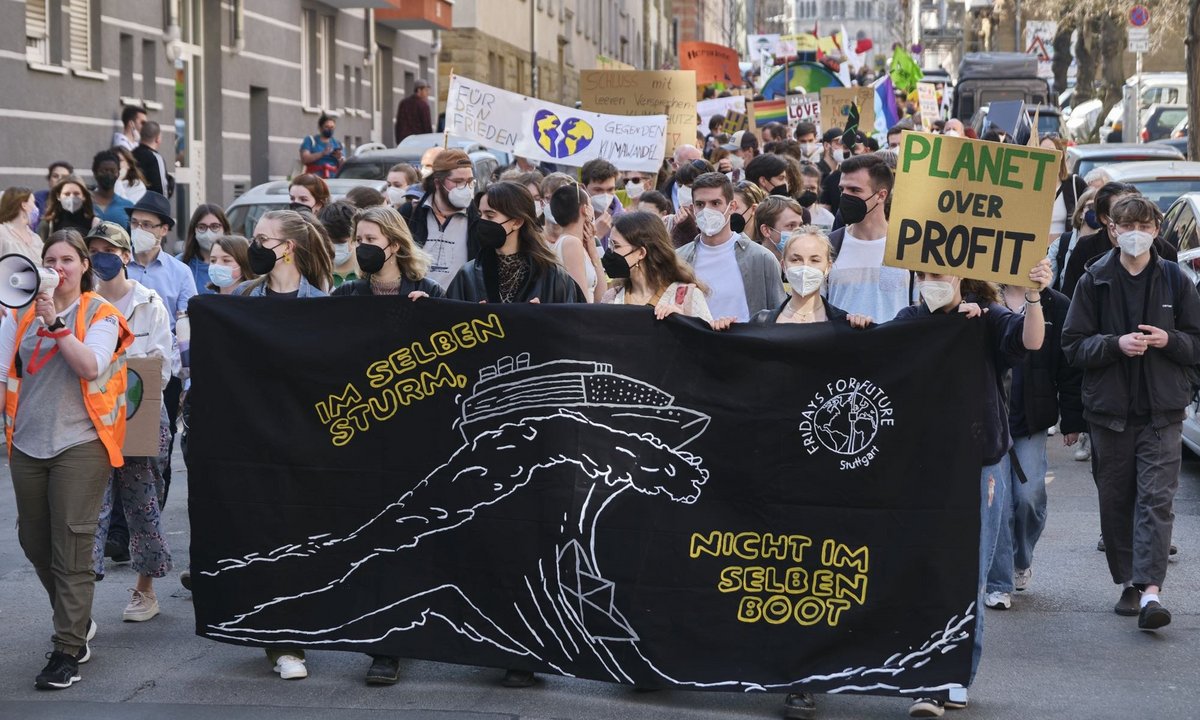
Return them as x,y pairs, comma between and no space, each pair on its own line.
103,397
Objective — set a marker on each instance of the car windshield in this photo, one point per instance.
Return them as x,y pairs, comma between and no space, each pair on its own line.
243,218
1167,190
1086,165
363,171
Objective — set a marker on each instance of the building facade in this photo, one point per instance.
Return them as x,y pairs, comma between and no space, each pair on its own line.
235,84
538,47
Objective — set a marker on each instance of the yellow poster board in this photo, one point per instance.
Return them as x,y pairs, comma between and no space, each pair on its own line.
645,92
835,105
970,208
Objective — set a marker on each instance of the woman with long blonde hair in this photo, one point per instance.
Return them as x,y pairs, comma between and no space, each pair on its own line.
388,257
291,254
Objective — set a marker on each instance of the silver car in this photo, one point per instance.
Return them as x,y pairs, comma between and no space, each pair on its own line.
247,208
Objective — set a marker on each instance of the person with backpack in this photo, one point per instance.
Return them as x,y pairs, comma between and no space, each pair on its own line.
1134,330
322,155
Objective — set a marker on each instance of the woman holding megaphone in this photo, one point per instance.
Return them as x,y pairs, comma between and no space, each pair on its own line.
139,481
63,360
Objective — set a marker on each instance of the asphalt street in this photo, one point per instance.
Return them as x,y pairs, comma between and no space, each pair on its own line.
1059,653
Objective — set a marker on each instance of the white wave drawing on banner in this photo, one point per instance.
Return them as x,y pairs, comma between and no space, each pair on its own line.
631,436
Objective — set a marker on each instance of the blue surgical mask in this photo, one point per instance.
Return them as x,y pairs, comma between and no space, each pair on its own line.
107,266
784,236
221,275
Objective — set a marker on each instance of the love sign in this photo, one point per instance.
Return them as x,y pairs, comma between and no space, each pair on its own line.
545,132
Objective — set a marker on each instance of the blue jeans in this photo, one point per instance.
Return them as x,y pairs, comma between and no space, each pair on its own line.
990,514
1024,514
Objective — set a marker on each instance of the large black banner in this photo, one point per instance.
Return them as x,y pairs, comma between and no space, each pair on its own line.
588,491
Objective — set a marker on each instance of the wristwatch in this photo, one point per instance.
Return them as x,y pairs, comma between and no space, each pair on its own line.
58,324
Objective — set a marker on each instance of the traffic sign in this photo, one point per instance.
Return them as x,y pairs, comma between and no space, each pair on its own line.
1139,16
1139,39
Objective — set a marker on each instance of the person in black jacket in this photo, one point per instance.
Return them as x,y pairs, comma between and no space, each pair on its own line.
388,257
513,263
443,221
1094,246
1134,330
150,161
1043,386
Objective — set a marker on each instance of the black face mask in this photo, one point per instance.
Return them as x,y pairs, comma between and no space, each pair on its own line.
262,260
106,182
615,266
854,209
780,190
737,223
807,198
490,234
370,258
300,207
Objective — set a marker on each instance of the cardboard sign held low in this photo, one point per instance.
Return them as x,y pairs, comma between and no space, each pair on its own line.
143,407
970,208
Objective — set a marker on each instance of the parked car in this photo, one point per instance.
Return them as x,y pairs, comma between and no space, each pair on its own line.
374,164
1179,143
1180,130
1181,228
1161,181
986,77
1049,120
245,211
1161,120
425,141
1082,159
1083,118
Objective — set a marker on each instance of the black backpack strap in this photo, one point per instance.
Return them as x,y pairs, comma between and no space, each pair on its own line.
835,239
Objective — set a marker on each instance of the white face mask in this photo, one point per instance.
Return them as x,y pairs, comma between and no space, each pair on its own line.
341,254
143,240
70,203
426,171
395,195
810,151
601,202
937,294
206,238
547,214
1135,242
839,155
711,221
460,197
952,133
737,161
685,196
805,279
634,189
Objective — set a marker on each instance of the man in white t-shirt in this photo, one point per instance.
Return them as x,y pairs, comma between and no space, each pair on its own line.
742,277
859,282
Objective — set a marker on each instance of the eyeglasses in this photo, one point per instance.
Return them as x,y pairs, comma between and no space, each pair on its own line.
215,227
144,225
463,183
260,240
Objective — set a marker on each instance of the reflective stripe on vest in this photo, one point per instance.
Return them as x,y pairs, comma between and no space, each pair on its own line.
104,397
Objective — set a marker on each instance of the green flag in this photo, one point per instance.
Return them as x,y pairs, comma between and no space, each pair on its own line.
904,71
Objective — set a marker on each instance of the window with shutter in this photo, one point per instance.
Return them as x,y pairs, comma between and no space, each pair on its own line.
37,32
80,13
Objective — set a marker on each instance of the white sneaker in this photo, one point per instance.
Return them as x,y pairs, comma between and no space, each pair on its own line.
291,667
142,606
1021,579
1083,452
926,708
1052,431
998,600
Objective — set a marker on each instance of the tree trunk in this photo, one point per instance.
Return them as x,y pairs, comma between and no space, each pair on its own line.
1062,60
1193,70
1085,63
1111,51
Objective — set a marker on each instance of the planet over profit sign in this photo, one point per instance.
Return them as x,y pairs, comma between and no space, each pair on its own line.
971,208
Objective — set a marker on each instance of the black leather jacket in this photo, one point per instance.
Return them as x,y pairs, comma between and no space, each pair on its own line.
478,281
363,287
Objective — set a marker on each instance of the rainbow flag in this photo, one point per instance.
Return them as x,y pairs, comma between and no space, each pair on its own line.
769,111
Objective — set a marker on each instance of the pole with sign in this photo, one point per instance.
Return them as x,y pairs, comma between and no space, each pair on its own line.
1139,42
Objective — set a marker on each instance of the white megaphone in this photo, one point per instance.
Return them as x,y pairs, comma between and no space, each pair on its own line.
21,280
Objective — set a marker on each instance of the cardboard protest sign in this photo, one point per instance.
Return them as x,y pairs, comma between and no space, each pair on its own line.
836,102
928,102
143,406
804,108
546,132
712,63
970,208
735,121
706,109
648,92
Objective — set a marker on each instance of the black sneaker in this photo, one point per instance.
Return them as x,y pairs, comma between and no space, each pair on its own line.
1100,544
800,706
1127,606
117,550
1153,616
185,579
85,652
384,670
518,679
1172,553
61,672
